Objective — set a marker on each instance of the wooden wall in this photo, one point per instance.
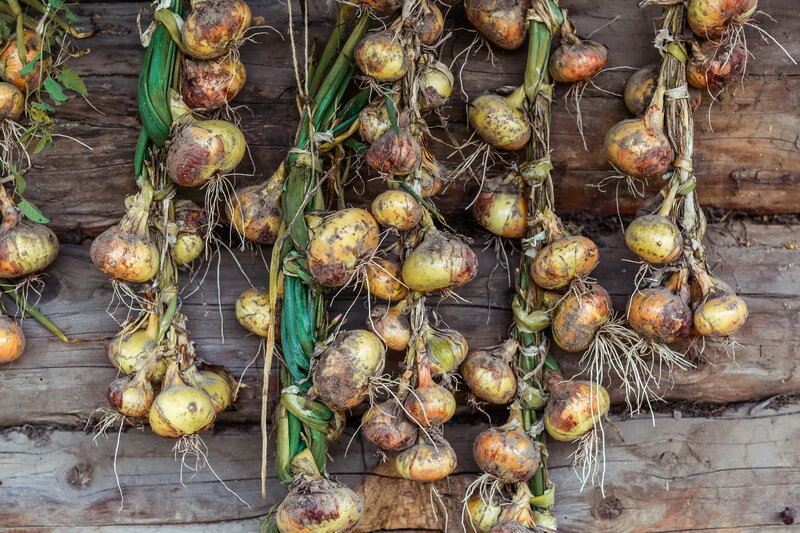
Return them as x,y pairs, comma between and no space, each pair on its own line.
722,453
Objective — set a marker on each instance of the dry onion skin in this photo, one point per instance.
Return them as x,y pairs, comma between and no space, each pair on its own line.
340,244
447,349
380,56
720,315
204,149
507,453
382,6
578,317
131,396
711,19
482,515
426,462
383,280
577,60
574,407
212,84
429,404
180,409
713,66
344,370
373,121
639,148
654,238
391,325
12,101
12,340
130,349
11,66
192,227
563,260
641,86
502,22
26,247
489,375
502,206
255,211
500,121
395,152
387,427
213,27
659,315
435,85
439,262
253,311
397,209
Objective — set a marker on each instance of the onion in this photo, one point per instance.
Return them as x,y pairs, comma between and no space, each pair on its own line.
385,426
391,325
429,404
426,462
12,340
380,55
129,350
639,147
26,247
502,22
343,372
518,515
179,409
12,101
204,149
253,311
696,289
131,396
439,262
429,25
383,6
383,280
397,209
316,504
214,26
10,64
255,211
435,85
641,86
447,348
483,514
576,60
574,407
395,152
713,66
502,206
489,375
654,238
340,244
510,526
373,121
660,315
710,19
501,121
214,381
192,227
566,259
210,85
125,251
429,176
577,318
507,453
720,315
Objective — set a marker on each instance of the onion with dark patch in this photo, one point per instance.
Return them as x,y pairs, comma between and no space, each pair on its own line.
502,206
501,121
211,84
426,462
713,66
654,238
373,121
180,409
482,514
204,149
659,315
563,260
641,86
435,83
638,147
397,209
712,19
380,56
252,310
720,315
12,101
131,395
26,247
439,262
255,211
11,68
340,245
429,25
507,453
578,317
574,407
396,151
502,22
383,280
387,427
213,27
489,375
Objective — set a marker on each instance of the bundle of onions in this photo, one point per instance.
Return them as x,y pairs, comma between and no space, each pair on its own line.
502,206
391,325
12,340
574,407
489,375
26,247
380,56
255,211
201,150
426,461
211,84
340,244
192,225
180,409
506,453
578,317
713,19
11,66
576,60
386,426
439,262
714,66
502,22
429,404
446,349
641,87
501,121
214,27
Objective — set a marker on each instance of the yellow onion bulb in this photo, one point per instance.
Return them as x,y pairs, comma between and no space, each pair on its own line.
429,404
659,315
391,325
563,260
713,66
654,238
343,372
482,514
397,209
429,25
641,86
26,247
129,350
131,396
316,504
720,315
711,19
502,206
383,280
12,101
218,384
373,121
447,349
213,27
380,56
204,149
500,121
395,152
638,148
426,462
253,311
387,427
489,375
12,340
435,85
255,211
696,289
578,317
187,247
510,526
439,262
340,244
574,407
383,6
211,84
180,409
502,22
576,60
11,66
507,454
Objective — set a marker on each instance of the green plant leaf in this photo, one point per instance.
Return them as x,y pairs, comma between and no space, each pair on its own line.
55,90
72,81
32,212
19,182
28,68
391,110
43,107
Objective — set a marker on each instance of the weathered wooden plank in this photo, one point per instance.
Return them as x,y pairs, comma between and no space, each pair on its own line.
749,161
684,474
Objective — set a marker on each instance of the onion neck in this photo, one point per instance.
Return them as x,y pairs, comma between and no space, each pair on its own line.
304,466
654,116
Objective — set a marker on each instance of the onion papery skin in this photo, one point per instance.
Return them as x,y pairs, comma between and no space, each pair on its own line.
214,26
430,25
447,349
315,504
12,340
482,515
218,387
715,66
654,238
637,149
720,315
181,410
383,6
574,407
395,152
696,290
506,454
510,526
343,372
373,121
489,375
129,350
12,101
392,326
641,86
431,405
425,462
577,60
255,211
210,85
340,245
386,426
564,260
253,311
130,397
383,279
577,318
710,19
498,122
439,262
502,207
397,209
380,56
435,85
502,22
10,64
659,315
26,247
126,255
204,149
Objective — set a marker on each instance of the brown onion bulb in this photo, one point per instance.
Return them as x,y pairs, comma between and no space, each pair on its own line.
429,404
713,66
439,262
380,55
426,462
577,318
659,315
12,101
255,211
576,60
131,396
641,86
386,426
560,262
507,453
395,152
204,149
710,19
383,280
26,247
12,340
391,325
11,66
654,238
383,6
397,209
340,244
502,22
435,83
501,121
211,84
720,315
502,206
574,407
429,25
489,375
214,26
639,147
